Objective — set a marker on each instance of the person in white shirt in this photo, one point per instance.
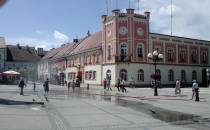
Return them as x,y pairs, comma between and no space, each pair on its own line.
194,87
178,87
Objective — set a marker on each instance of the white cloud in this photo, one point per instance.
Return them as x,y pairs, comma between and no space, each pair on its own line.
60,37
39,32
190,18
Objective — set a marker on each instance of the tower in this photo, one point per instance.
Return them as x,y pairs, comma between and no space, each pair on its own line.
125,37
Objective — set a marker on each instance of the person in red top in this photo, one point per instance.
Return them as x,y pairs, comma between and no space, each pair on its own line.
105,83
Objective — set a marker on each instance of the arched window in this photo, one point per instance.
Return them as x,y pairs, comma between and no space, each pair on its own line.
140,50
124,49
108,75
123,74
170,75
183,75
141,75
194,75
109,52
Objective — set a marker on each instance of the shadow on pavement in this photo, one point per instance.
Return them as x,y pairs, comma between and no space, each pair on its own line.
13,102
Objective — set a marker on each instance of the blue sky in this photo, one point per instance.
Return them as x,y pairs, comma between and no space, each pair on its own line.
49,23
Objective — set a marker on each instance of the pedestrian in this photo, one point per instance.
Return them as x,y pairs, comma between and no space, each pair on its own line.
109,84
46,87
73,85
118,84
123,85
69,85
104,83
21,85
34,86
178,87
195,90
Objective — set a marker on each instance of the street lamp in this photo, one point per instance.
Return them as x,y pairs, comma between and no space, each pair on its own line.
207,77
155,56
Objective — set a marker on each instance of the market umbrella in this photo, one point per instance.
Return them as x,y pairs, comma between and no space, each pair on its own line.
11,72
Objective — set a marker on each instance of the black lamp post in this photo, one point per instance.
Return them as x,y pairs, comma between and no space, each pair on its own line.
155,56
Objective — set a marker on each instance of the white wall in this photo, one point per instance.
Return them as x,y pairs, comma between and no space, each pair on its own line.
98,69
112,68
132,70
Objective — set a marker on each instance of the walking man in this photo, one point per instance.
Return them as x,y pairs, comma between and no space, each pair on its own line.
178,87
195,90
34,86
109,85
21,85
123,85
118,84
46,87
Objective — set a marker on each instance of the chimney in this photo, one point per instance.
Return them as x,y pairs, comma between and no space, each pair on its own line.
40,51
75,40
18,45
115,12
88,33
130,11
147,14
103,17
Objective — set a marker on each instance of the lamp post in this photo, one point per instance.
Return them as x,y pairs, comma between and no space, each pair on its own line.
155,56
207,77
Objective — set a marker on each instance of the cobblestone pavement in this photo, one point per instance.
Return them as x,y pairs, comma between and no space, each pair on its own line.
96,109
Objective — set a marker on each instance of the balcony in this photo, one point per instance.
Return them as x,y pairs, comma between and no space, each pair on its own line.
122,58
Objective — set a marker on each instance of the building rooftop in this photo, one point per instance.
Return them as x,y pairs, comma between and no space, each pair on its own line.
21,53
90,42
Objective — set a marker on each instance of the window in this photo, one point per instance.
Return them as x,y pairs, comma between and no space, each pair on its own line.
170,54
170,75
203,57
194,75
86,75
85,60
94,75
90,75
90,60
97,58
140,50
194,56
183,75
124,49
141,75
182,55
109,52
123,74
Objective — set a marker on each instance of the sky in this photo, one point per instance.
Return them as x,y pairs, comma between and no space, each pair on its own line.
50,23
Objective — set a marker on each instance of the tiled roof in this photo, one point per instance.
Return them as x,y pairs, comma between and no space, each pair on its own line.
65,49
21,53
51,53
93,41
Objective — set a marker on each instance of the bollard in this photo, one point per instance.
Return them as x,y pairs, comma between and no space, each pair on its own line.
88,86
197,95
